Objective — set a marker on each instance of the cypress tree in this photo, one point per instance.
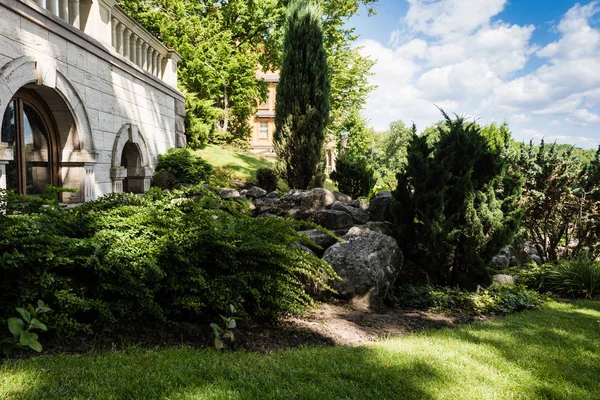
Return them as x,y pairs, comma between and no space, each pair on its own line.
302,109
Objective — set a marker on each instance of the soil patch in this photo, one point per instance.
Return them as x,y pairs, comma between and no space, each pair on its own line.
328,324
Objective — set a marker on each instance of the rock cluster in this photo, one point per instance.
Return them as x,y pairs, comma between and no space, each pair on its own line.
368,260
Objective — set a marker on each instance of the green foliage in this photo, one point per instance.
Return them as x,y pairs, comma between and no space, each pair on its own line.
225,332
354,175
124,260
391,150
456,204
22,328
184,165
497,299
303,104
579,277
267,179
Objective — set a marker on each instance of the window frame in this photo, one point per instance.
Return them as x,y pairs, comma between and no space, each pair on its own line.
260,123
33,100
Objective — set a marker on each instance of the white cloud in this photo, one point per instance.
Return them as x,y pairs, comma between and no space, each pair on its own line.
456,54
519,118
448,18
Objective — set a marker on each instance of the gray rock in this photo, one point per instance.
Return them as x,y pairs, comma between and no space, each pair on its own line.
256,192
332,219
384,228
267,205
295,196
537,259
344,198
379,208
317,199
501,279
273,195
361,203
226,194
368,264
322,240
500,261
359,216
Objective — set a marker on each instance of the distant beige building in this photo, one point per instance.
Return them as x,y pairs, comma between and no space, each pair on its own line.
263,124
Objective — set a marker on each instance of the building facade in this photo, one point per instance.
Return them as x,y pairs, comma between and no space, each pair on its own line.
88,98
263,125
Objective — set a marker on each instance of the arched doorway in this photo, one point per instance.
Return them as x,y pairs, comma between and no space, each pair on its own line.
130,170
131,160
28,132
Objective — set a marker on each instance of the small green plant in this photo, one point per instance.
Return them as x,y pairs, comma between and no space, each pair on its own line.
225,333
574,278
21,328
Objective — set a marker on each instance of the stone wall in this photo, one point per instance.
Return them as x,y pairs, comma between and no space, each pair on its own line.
98,99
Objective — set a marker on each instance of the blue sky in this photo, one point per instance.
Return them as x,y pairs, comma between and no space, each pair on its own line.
533,63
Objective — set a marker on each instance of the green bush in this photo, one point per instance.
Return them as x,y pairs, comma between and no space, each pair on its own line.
267,179
123,260
496,299
184,165
456,204
579,277
354,175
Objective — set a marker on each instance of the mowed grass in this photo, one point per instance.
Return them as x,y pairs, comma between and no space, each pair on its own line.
553,353
244,165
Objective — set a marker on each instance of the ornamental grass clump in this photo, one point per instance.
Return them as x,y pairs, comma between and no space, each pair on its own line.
579,277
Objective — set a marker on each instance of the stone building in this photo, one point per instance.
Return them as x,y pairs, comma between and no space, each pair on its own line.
88,98
263,124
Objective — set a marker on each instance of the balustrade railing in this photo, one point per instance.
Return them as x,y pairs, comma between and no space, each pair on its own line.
127,36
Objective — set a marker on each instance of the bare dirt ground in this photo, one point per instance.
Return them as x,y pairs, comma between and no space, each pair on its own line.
328,324
344,324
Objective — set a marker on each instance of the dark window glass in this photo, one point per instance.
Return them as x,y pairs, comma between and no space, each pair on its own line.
37,165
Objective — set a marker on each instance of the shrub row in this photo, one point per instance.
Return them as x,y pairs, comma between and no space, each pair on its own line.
124,260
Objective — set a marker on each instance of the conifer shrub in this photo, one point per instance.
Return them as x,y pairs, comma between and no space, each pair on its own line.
354,175
123,261
184,165
455,205
303,103
267,179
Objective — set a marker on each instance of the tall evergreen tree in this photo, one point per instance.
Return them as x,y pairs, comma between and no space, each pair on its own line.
303,104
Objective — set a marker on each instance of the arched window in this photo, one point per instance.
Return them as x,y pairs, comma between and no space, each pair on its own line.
28,130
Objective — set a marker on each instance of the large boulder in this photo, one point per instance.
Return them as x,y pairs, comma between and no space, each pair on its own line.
502,279
332,220
317,199
267,205
379,208
359,216
368,264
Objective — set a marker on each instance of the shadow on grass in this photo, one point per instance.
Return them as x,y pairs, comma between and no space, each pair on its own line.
312,373
551,353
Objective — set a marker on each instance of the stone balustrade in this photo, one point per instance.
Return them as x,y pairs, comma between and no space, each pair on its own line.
105,21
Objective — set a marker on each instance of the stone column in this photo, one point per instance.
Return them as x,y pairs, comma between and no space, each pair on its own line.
51,6
159,59
113,28
120,29
126,44
63,9
138,50
74,13
150,51
133,48
155,63
144,56
90,182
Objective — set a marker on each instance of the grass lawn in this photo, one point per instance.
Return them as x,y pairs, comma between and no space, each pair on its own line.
553,353
244,165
